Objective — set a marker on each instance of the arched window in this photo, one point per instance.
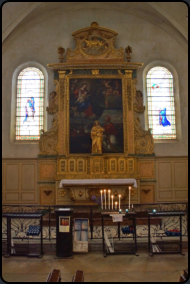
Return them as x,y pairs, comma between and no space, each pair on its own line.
161,105
29,104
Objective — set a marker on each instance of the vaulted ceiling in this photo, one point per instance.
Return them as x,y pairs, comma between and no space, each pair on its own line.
17,17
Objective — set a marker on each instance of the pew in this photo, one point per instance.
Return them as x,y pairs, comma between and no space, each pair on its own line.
184,276
185,273
78,277
54,276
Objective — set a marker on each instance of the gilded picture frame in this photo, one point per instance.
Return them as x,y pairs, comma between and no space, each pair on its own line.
95,97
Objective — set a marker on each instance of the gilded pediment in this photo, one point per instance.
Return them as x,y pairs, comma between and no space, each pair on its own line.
94,43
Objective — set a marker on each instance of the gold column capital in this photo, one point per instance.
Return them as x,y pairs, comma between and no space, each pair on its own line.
128,73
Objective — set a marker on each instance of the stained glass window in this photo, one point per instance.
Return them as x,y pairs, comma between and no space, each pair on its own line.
30,104
161,107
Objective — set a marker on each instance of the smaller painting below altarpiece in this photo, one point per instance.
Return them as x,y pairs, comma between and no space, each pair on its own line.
96,99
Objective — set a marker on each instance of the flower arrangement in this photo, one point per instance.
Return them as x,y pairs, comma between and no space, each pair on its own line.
97,199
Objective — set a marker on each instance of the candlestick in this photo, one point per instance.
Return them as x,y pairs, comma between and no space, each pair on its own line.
112,202
116,205
105,197
129,196
101,199
119,201
109,199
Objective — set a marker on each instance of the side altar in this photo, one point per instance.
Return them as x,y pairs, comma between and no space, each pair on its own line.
95,84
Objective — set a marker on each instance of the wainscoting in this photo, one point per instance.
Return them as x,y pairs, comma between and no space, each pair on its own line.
172,179
20,182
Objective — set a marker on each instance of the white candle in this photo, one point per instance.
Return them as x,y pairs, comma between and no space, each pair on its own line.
132,206
109,199
116,205
129,196
112,202
101,199
119,201
105,197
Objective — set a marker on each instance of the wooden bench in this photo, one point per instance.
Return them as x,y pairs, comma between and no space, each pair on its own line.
54,276
185,273
184,276
78,277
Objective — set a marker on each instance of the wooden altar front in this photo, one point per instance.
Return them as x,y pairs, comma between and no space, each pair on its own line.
95,82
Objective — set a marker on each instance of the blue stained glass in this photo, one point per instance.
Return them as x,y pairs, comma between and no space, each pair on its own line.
162,118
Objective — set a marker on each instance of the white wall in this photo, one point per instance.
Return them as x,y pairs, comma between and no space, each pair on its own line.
40,39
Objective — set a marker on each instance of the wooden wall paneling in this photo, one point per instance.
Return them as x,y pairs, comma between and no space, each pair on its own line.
172,179
20,181
27,197
181,194
28,177
180,174
12,177
12,197
164,175
165,195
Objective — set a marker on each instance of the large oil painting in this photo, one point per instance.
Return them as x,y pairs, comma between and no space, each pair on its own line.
96,99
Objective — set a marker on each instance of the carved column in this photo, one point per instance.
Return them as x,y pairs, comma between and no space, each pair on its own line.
62,112
130,118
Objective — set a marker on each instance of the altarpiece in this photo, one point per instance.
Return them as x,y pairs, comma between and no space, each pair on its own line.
95,83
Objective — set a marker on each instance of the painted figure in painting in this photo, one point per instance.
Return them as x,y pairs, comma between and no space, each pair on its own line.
110,134
162,118
111,92
97,136
82,103
93,100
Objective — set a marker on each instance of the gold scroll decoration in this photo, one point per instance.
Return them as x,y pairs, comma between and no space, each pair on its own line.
144,143
94,43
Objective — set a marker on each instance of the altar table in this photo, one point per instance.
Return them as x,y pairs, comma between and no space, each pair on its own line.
69,182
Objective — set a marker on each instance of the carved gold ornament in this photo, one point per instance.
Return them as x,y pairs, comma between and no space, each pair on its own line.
80,193
61,51
128,51
95,57
138,102
95,72
53,103
94,43
62,193
144,143
48,140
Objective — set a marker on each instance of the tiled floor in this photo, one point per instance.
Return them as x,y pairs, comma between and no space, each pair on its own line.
97,268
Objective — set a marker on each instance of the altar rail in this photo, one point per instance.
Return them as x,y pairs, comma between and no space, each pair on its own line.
93,213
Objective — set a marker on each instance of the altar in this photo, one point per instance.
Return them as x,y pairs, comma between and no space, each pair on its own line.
99,182
96,141
88,190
